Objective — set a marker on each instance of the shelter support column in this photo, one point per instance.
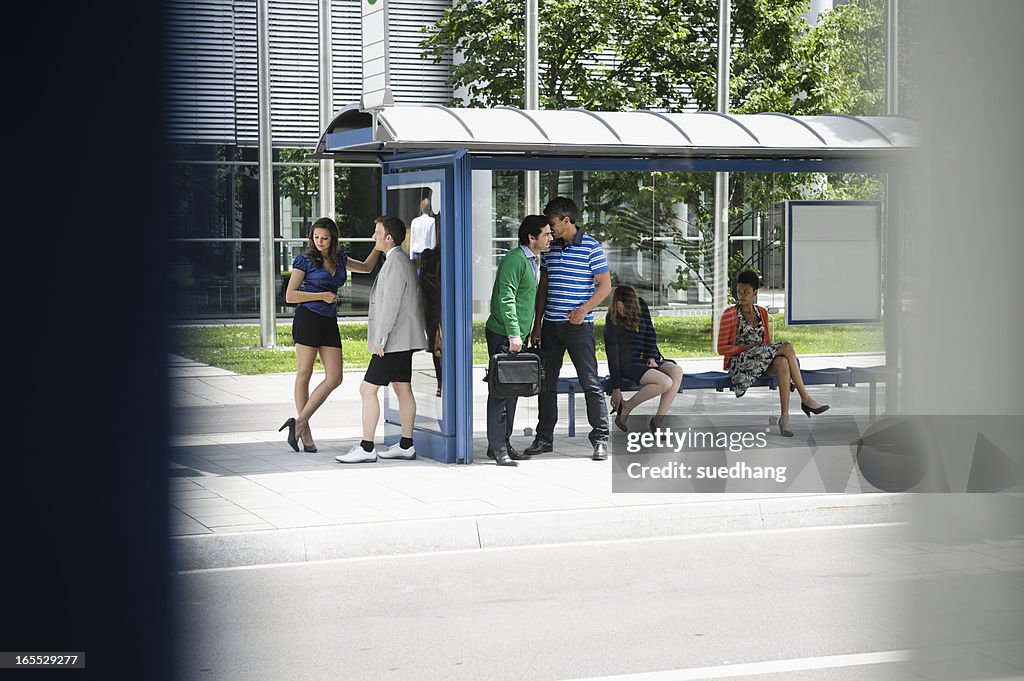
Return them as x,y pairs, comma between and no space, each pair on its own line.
532,193
462,193
268,329
892,293
720,292
720,268
326,103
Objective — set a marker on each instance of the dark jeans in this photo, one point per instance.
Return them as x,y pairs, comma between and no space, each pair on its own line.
578,339
501,411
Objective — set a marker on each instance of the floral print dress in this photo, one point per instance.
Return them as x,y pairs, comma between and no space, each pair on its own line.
747,367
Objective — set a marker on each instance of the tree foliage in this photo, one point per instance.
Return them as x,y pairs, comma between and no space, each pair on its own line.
617,54
299,182
612,55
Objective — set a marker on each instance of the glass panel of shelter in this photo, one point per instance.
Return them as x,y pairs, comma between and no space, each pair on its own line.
418,206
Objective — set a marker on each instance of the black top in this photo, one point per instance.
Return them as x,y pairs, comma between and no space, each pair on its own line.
628,351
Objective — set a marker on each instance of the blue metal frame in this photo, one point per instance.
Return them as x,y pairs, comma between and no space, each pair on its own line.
349,138
779,165
789,262
420,160
462,317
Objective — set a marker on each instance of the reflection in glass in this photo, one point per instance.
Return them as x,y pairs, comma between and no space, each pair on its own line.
417,205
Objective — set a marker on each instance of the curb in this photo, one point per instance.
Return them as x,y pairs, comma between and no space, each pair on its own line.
359,540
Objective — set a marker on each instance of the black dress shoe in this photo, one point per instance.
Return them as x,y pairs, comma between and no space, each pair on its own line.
501,458
539,446
600,452
515,455
807,410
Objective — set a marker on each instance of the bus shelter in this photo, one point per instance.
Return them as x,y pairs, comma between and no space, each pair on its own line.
429,154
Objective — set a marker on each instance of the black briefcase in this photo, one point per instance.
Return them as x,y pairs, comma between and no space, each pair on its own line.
536,350
515,374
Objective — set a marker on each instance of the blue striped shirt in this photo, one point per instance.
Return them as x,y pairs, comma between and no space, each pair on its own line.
570,269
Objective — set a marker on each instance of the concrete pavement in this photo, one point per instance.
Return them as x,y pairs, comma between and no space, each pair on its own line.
240,496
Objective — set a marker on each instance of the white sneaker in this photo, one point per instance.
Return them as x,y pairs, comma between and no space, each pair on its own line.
357,455
395,451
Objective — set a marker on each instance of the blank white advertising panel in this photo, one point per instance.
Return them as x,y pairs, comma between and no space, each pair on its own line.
833,262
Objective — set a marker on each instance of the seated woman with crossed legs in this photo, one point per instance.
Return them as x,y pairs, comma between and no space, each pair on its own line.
632,348
746,342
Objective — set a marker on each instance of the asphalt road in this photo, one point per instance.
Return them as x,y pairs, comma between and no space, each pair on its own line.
787,604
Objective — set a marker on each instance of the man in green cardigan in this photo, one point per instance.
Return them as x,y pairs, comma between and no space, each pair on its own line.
511,320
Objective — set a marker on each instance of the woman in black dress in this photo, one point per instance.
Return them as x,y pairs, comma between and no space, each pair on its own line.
632,348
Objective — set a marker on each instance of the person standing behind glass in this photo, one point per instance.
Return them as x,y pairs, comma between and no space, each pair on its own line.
423,232
430,288
513,298
574,279
313,286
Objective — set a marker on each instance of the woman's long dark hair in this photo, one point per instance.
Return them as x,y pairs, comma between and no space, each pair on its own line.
332,253
630,319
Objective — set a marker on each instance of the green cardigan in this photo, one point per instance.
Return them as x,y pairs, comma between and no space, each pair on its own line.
513,296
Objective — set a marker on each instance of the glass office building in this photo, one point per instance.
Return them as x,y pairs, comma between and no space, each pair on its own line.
212,128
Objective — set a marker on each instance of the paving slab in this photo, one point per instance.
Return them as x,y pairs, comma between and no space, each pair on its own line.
239,496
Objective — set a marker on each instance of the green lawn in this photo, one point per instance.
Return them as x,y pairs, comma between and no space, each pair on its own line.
236,348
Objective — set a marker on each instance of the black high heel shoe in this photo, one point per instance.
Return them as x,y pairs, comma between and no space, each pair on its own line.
807,410
784,432
309,449
292,440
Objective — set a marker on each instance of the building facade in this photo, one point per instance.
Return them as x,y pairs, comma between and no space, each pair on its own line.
212,128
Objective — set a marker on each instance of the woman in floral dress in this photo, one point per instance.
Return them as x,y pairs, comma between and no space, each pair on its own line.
745,340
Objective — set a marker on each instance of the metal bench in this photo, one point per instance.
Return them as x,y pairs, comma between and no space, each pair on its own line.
872,376
711,380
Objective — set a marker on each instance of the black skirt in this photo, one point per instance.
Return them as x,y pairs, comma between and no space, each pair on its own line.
315,330
634,371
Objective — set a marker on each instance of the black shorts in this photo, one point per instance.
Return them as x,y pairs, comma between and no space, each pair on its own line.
315,330
393,367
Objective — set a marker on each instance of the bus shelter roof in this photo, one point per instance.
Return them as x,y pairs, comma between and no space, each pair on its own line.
355,133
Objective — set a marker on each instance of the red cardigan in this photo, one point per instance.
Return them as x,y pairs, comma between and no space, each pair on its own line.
727,332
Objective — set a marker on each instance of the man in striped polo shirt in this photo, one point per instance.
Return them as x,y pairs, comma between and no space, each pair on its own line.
574,279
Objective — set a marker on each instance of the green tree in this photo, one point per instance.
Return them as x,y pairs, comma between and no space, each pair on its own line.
620,54
299,182
617,54
843,64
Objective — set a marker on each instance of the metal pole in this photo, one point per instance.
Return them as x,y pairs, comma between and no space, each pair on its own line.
892,86
268,330
531,99
720,297
326,108
893,296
